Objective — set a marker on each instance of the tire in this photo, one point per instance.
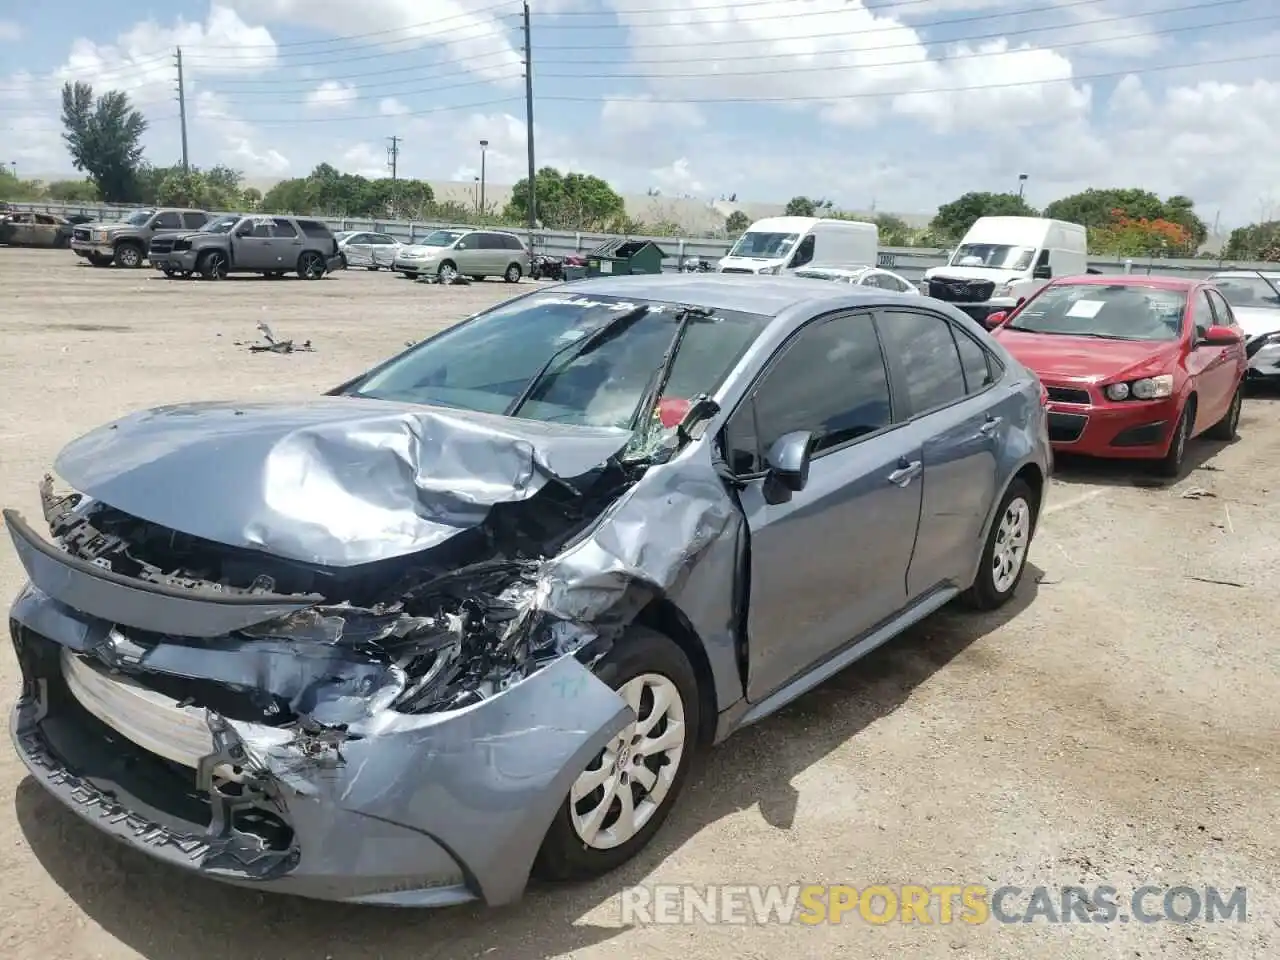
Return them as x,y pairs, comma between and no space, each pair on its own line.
213,265
447,271
640,656
98,260
310,265
1170,465
1228,427
513,273
129,255
1004,556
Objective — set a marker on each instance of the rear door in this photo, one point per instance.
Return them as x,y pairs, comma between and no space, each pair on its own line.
830,562
286,244
944,379
494,251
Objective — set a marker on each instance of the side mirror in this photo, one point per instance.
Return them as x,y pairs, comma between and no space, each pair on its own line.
1220,337
1042,272
788,463
995,319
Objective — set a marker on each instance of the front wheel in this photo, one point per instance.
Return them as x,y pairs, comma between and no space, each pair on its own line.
311,266
620,801
1004,558
447,272
1171,464
213,265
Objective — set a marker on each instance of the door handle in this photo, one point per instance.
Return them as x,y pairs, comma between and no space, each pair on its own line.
989,428
905,473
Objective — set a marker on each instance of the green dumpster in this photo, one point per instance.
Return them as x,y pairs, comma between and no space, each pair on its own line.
615,257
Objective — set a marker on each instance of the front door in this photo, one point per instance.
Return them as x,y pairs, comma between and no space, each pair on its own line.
251,245
1221,369
468,255
946,384
830,562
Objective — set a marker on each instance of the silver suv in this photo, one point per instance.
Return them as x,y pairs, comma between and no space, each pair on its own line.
472,253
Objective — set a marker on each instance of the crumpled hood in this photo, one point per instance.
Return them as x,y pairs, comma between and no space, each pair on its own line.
336,481
1058,357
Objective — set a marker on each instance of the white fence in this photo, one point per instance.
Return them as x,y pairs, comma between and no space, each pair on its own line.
911,262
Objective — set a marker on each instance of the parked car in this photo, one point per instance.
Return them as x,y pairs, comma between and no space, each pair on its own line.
1254,297
373,251
24,228
1134,366
125,243
472,253
862,276
475,611
159,254
268,245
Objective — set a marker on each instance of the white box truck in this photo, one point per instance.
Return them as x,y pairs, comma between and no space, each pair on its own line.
781,244
1002,260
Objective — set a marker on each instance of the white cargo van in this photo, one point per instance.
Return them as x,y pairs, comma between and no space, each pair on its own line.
1004,259
778,244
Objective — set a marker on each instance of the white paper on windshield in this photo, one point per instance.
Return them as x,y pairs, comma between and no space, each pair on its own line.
1086,308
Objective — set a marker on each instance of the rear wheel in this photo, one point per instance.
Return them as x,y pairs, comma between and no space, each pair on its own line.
1227,427
513,273
622,798
311,266
1004,558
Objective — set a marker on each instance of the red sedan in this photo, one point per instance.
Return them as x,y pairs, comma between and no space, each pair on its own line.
1134,366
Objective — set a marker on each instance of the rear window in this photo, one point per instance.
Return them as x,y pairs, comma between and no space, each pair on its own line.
1106,311
313,228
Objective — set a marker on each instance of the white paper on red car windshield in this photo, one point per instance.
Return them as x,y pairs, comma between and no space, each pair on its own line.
1086,308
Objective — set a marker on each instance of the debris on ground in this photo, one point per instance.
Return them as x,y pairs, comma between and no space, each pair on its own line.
1198,493
272,345
458,280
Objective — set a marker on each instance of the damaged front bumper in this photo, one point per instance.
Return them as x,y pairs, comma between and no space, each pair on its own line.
392,808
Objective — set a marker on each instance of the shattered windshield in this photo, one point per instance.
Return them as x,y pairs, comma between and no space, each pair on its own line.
439,238
999,256
769,246
489,362
221,224
139,217
1249,291
1114,312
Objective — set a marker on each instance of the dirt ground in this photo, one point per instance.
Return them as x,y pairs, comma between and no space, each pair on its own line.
1118,724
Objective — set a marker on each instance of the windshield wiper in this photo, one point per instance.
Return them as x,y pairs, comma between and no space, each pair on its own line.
571,351
658,382
1267,281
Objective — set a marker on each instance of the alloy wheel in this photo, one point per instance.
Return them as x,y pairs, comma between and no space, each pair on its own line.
1012,537
627,783
447,273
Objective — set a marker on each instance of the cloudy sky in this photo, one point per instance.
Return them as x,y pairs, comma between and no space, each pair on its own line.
898,103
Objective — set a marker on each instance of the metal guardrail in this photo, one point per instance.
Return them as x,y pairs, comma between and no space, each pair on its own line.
910,262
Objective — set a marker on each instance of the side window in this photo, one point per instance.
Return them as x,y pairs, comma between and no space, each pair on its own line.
490,241
1222,309
1201,313
358,238
282,229
193,221
513,243
169,220
926,352
830,380
468,242
804,252
313,228
973,360
380,239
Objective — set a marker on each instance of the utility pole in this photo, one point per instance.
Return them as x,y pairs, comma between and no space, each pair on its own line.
393,154
528,114
182,111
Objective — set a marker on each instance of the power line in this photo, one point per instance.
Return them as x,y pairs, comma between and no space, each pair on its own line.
385,95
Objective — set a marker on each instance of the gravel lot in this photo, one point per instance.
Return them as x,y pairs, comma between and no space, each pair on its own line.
1119,724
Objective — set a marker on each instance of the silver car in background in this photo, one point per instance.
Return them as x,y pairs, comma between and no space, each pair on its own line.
1254,296
447,254
476,612
860,276
373,251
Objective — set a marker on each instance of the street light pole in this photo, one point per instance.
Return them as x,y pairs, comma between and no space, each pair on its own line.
1022,182
484,145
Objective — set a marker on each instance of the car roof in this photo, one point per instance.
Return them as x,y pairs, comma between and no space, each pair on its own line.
765,295
1131,280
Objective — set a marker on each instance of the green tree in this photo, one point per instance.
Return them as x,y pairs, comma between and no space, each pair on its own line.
1097,209
104,138
326,190
251,198
954,218
801,207
72,191
893,231
736,222
1256,241
18,190
568,201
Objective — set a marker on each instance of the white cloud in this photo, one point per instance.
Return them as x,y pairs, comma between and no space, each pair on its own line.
391,107
238,139
331,95
677,179
10,32
477,38
627,115
364,160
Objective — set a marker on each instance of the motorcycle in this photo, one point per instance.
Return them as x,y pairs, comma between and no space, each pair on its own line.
546,267
694,265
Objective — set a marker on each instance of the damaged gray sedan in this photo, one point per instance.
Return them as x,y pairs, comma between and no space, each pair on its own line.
471,616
